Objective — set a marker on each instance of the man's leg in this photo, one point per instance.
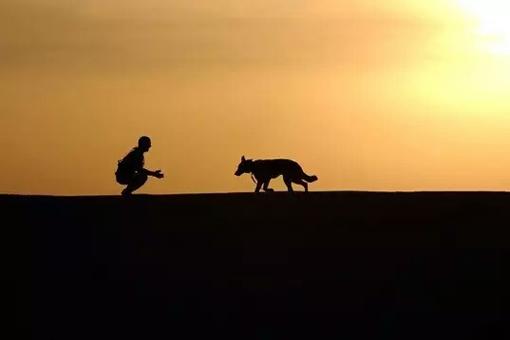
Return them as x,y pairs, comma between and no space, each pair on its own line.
136,183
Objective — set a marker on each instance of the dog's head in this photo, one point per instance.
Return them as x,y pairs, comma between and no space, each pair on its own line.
244,166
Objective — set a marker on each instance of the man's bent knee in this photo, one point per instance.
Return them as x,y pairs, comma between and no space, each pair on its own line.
142,178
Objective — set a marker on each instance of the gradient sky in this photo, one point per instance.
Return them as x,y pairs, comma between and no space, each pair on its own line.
389,95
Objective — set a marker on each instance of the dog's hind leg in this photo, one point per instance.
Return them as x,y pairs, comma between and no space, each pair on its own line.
303,183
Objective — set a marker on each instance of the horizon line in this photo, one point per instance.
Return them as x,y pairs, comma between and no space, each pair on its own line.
258,194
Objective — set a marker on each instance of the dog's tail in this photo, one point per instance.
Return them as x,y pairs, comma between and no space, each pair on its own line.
309,179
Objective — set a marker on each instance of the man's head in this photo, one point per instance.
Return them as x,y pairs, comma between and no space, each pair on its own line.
244,166
144,143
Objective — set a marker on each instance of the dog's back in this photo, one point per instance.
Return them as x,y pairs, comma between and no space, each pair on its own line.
272,168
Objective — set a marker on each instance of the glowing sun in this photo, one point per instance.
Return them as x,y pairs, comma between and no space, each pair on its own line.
493,20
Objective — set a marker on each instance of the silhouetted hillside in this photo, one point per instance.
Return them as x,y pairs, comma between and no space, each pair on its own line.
342,265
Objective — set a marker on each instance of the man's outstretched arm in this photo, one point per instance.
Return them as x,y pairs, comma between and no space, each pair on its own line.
157,173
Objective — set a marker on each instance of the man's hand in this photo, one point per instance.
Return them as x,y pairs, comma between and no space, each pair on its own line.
158,174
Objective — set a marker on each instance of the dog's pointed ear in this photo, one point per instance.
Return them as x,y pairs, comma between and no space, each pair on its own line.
243,159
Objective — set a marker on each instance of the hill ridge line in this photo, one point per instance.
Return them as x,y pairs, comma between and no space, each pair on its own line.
279,193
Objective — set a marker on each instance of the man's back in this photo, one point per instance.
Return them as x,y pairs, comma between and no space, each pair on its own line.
133,162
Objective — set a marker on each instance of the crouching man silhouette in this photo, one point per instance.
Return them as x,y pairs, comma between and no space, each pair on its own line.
130,170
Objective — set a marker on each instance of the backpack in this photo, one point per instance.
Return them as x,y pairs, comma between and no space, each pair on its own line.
128,165
123,166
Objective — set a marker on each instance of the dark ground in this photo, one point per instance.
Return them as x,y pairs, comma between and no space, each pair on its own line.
340,265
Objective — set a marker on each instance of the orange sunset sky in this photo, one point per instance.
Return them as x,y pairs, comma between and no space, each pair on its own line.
368,95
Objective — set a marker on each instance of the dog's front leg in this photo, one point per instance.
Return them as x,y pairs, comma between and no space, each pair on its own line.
266,186
259,185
